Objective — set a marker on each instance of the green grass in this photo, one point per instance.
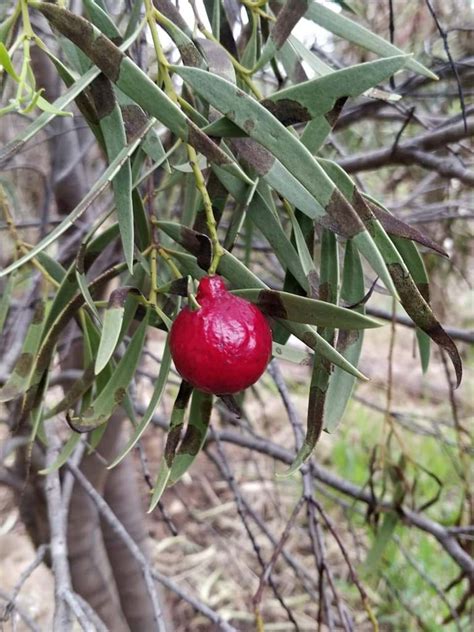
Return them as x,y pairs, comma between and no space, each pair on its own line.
350,458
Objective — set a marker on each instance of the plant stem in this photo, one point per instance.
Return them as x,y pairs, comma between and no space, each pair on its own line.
218,251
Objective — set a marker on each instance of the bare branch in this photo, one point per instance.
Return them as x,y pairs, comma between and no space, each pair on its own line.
57,523
415,151
108,515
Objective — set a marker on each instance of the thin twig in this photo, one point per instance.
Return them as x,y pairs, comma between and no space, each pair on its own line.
63,619
27,620
267,571
38,559
444,37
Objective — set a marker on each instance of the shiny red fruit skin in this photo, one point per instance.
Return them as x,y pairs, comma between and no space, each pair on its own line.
224,346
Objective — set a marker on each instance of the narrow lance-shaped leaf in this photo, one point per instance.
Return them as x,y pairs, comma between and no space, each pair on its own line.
112,127
102,21
122,71
190,53
172,441
314,98
411,298
20,377
328,291
397,228
5,300
357,34
291,354
52,330
286,20
64,455
112,326
304,255
213,10
349,341
416,267
238,217
300,309
259,124
7,25
193,440
113,393
74,393
240,276
148,414
131,112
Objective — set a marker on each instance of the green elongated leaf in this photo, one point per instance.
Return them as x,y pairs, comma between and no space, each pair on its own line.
86,201
52,267
6,62
148,414
416,267
153,147
357,34
62,102
291,354
113,326
382,539
7,25
286,20
69,281
270,227
82,283
174,436
291,284
305,256
36,416
52,330
249,56
373,226
262,126
190,53
238,217
240,276
349,342
310,311
315,98
321,373
74,393
20,377
397,228
213,10
135,17
193,440
102,21
46,106
112,127
129,78
413,301
114,391
5,300
278,177
64,455
317,130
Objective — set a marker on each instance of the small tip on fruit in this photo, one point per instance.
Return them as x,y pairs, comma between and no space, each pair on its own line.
211,287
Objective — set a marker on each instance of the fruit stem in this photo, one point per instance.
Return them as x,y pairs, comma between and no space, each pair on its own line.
217,249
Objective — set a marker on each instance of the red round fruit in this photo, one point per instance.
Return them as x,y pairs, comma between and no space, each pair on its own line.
224,346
